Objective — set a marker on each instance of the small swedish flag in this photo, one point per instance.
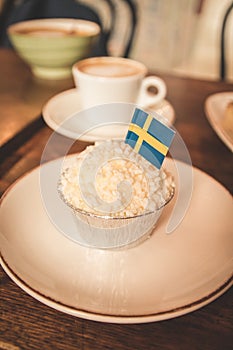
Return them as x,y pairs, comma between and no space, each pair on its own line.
149,137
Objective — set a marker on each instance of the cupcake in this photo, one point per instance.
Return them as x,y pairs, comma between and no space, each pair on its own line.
115,192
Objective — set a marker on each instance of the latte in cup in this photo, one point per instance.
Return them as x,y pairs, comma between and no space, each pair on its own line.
115,79
111,68
52,45
52,32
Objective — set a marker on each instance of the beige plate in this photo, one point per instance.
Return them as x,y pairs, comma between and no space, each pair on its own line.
63,114
215,107
166,276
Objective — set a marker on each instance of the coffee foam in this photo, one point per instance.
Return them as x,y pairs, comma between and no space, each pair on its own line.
54,32
110,69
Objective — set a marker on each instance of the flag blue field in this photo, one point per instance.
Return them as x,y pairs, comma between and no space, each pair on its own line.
149,137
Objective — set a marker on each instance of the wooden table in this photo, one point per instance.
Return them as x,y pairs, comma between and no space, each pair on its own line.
26,323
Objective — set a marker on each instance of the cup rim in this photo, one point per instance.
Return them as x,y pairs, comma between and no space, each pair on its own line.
59,23
143,69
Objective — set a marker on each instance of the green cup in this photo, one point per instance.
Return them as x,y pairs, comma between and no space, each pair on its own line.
52,46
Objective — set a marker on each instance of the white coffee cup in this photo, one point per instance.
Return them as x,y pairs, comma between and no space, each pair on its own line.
114,79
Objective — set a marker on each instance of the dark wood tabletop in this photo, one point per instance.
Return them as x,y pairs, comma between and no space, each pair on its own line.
25,323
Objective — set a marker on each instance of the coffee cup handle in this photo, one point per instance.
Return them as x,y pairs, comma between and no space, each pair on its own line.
147,99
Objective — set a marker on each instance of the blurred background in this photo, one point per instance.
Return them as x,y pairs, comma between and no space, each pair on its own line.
174,36
191,37
188,40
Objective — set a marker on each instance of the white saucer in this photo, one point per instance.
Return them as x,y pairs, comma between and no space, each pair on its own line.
58,110
164,277
215,107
